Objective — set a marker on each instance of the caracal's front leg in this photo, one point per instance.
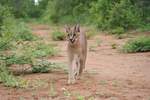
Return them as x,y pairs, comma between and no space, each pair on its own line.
71,70
77,67
70,58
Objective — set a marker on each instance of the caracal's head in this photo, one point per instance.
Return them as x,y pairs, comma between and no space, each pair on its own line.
73,34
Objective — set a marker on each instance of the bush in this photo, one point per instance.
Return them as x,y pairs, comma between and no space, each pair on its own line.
41,67
43,50
6,19
18,59
99,12
19,30
124,14
111,14
26,53
145,27
118,31
24,32
67,11
6,77
4,14
44,66
5,41
12,30
140,44
56,36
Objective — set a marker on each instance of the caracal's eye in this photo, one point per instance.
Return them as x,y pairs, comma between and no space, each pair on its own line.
74,34
68,35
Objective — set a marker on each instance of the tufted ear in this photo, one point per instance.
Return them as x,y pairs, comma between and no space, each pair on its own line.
76,28
67,28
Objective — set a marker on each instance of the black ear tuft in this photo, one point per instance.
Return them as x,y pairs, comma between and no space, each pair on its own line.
77,28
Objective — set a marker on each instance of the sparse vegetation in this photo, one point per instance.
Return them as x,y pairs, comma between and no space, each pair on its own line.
118,31
25,53
66,92
91,33
92,48
24,32
58,36
140,44
42,66
9,79
43,50
53,92
114,46
80,97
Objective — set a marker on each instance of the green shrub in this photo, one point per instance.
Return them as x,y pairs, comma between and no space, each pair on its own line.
44,66
5,41
19,30
145,27
140,44
4,14
41,67
111,14
58,36
124,14
99,12
26,53
6,19
6,77
43,50
12,29
24,32
67,11
118,31
18,59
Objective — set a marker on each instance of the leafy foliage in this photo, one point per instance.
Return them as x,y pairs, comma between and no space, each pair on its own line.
26,53
17,59
124,14
11,29
106,14
67,11
24,32
41,67
43,50
118,31
7,78
111,14
140,44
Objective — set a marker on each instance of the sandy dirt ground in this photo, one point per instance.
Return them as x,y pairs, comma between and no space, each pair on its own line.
109,74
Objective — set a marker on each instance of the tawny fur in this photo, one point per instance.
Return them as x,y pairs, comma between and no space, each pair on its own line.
77,53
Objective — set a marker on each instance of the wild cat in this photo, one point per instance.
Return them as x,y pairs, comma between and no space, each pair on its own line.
77,52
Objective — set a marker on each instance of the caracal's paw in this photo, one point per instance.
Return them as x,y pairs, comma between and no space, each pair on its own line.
72,81
69,81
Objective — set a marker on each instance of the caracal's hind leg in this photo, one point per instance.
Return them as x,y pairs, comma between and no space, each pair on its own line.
81,67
